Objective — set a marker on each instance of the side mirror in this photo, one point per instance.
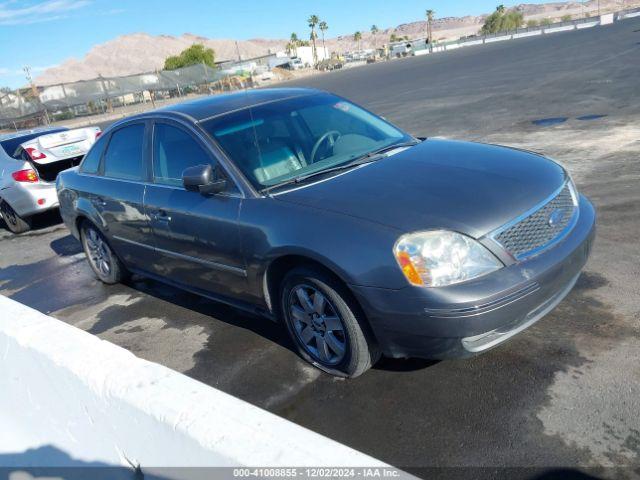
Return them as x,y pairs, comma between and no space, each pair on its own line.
200,179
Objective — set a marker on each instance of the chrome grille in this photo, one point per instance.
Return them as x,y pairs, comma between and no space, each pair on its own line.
534,232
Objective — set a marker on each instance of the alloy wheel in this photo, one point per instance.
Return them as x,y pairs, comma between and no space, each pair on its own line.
317,325
8,214
98,252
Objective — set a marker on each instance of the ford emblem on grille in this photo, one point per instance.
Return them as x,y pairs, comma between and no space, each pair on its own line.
556,216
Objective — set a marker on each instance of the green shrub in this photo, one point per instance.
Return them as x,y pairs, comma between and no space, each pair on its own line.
502,20
195,54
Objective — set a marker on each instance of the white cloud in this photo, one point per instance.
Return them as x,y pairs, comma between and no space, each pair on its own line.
46,11
114,11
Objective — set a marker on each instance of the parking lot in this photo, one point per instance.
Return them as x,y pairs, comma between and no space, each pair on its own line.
565,393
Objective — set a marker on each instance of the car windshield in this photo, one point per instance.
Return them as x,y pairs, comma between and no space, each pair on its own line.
283,140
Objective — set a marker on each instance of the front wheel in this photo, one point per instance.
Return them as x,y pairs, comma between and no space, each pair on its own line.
15,222
326,324
103,261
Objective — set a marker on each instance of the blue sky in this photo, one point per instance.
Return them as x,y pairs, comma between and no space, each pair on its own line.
43,33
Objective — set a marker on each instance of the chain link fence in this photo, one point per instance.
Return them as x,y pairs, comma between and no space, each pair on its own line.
34,106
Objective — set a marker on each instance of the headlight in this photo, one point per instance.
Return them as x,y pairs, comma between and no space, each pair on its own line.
573,190
438,258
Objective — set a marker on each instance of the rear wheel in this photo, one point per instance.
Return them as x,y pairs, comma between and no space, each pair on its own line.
15,222
326,324
103,261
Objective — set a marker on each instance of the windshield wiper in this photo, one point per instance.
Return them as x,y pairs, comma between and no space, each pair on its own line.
391,147
302,178
367,158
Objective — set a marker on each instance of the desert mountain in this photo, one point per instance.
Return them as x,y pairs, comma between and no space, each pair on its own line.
141,52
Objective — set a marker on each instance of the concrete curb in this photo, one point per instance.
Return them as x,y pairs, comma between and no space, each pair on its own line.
97,402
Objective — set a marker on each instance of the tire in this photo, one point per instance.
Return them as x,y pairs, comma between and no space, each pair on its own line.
320,326
105,264
15,222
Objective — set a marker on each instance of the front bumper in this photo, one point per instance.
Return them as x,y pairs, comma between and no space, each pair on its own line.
24,197
469,318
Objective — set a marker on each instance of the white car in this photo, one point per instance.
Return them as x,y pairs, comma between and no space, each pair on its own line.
296,64
30,161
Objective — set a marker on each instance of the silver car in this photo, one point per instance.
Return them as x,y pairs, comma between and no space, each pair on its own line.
30,161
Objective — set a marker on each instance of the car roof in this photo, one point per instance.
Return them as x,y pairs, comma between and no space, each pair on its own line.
215,105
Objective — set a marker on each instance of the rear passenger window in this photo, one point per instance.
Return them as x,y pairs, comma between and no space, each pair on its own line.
174,150
123,158
91,161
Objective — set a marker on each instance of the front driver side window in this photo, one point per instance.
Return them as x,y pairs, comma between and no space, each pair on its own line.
174,150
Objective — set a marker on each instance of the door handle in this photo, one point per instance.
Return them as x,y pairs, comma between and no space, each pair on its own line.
161,216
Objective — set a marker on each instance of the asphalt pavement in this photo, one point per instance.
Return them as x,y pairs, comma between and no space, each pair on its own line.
564,394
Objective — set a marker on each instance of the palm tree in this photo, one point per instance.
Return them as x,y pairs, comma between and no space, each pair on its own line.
313,20
358,38
374,32
323,28
293,44
430,14
500,9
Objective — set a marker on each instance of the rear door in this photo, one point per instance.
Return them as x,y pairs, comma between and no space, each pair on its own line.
118,194
196,236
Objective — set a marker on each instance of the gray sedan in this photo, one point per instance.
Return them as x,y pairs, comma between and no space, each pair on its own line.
307,209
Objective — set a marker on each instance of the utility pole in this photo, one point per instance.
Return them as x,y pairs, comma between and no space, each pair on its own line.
27,73
106,93
34,90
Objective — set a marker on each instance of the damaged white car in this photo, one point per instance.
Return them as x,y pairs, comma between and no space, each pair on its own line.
30,161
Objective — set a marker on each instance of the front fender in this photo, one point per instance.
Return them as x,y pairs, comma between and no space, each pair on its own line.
358,251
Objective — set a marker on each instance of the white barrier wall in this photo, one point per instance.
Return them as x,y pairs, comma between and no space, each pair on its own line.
532,33
63,387
587,25
472,42
497,39
564,28
602,20
606,19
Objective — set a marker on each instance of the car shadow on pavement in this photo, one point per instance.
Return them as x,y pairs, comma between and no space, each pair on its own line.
271,331
39,221
46,219
404,364
66,246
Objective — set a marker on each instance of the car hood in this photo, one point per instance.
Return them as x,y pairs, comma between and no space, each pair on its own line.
467,187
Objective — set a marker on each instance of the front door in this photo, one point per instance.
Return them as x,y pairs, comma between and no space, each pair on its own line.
196,236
